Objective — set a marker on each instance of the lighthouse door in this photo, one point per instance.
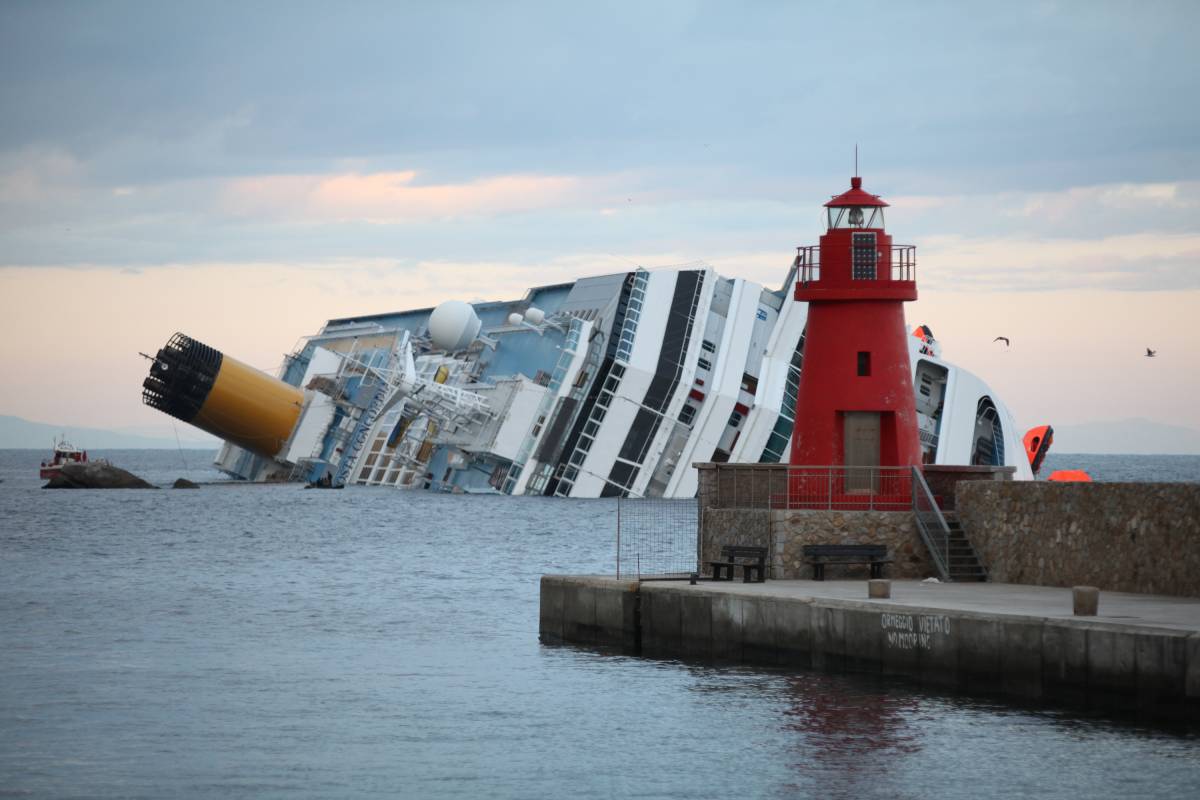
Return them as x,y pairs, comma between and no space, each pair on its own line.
861,445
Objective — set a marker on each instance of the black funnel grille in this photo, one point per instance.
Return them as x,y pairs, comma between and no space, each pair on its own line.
181,376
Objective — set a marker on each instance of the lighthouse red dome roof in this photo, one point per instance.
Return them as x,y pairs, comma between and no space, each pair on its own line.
855,197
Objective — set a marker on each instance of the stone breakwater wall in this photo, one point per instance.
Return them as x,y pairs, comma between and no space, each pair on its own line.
736,508
1019,656
1125,537
784,533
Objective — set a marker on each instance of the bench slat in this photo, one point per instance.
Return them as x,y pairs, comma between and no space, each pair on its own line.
863,550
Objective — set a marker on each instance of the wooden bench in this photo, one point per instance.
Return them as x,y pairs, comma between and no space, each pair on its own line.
753,571
821,554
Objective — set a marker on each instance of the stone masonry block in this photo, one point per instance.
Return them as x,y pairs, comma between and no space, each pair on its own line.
550,614
1021,658
695,611
939,650
1192,683
1112,661
900,641
758,629
793,632
863,639
828,636
579,613
1161,666
1065,660
612,623
661,619
979,643
726,626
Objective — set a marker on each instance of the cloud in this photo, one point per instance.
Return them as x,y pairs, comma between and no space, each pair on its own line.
36,177
397,196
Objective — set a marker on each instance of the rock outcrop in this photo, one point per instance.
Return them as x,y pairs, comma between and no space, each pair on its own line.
96,475
183,483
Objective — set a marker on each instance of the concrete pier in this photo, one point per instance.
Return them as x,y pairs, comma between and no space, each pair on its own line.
1021,641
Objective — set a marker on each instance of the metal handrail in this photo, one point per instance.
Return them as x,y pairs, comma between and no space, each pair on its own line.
903,264
931,524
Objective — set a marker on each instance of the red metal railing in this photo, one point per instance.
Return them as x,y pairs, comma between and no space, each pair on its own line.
817,487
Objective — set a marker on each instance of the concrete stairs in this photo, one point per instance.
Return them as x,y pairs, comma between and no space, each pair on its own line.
965,566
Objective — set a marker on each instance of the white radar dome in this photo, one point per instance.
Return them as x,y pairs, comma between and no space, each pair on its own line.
453,325
535,316
515,319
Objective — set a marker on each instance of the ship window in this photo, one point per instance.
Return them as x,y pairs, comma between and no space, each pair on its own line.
864,256
704,363
864,363
687,414
709,346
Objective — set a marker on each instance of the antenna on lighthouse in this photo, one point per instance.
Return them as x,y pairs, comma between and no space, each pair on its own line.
856,158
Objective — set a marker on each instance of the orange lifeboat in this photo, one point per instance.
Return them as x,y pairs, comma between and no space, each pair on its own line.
1037,444
1070,476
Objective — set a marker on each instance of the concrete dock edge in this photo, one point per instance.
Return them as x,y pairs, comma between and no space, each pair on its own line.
1020,656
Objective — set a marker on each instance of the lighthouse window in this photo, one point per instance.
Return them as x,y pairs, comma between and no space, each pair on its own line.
856,217
864,363
864,256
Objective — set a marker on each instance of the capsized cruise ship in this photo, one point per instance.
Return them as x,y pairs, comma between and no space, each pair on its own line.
607,386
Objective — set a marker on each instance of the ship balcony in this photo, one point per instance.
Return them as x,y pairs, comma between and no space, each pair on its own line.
883,274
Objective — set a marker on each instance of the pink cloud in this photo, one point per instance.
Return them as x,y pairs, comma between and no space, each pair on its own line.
386,197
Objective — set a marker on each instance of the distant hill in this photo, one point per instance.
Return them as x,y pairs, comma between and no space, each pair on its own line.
1134,436
22,434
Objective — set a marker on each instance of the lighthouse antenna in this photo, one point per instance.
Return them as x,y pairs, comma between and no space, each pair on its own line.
856,158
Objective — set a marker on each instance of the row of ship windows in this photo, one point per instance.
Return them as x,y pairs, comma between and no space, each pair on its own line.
599,410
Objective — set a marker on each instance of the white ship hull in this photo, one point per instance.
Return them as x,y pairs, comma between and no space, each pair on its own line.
607,386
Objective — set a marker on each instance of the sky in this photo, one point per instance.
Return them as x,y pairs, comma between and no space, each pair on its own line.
244,172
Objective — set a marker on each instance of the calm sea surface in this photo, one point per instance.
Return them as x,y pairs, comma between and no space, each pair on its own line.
251,641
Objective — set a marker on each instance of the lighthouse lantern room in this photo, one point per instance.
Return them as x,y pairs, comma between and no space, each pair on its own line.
855,405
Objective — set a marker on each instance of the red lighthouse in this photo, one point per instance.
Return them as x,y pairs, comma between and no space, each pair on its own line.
855,406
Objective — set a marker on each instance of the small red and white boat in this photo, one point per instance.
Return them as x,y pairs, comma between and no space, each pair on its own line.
64,453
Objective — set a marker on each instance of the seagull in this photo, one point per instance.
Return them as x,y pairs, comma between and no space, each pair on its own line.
1001,339
1151,353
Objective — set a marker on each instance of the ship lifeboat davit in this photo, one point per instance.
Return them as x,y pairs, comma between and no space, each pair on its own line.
204,387
1070,476
1037,444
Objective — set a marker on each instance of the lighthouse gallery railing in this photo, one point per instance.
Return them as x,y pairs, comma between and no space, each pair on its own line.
903,263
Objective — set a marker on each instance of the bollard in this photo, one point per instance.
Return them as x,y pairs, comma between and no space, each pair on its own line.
1087,600
879,589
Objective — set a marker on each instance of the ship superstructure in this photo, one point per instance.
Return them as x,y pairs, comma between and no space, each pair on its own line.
612,385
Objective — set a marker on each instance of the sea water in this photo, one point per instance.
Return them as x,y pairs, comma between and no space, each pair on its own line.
266,641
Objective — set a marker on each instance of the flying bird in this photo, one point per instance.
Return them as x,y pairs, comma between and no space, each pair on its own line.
1151,353
1001,339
